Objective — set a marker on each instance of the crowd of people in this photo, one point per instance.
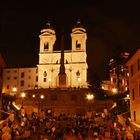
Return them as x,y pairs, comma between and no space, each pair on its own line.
64,127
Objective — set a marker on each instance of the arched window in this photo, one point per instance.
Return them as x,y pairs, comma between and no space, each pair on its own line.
45,74
66,61
46,46
78,73
78,45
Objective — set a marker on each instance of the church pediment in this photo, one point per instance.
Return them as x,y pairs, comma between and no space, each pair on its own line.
47,32
78,31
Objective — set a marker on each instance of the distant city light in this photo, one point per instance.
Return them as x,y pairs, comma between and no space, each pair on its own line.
114,90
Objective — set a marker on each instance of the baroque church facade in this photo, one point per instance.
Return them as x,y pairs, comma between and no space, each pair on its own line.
46,74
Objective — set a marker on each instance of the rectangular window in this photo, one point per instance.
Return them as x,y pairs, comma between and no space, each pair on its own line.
44,79
133,94
15,78
36,70
22,83
8,86
15,71
131,70
8,78
22,74
134,113
36,79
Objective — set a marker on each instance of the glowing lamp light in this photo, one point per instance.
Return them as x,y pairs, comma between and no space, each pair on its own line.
33,95
79,79
50,79
127,95
23,94
90,96
114,90
126,88
42,96
103,87
14,89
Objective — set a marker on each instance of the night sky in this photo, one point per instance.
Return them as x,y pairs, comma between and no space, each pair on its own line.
112,26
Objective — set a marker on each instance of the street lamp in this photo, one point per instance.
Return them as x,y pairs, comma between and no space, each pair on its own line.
14,89
40,101
41,96
89,97
23,95
33,95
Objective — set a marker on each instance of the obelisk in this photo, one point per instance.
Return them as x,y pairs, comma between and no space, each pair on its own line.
62,74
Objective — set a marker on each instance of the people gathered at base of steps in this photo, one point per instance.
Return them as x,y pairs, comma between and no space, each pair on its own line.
65,127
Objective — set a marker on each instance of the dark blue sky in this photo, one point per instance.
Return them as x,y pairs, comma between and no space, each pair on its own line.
111,26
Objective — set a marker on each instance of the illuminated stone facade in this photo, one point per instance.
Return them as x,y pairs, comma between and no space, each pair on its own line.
134,86
45,75
75,60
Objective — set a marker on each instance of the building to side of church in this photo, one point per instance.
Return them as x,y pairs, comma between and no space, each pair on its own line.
134,87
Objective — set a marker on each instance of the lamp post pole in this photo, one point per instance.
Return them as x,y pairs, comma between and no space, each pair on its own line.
22,96
89,97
